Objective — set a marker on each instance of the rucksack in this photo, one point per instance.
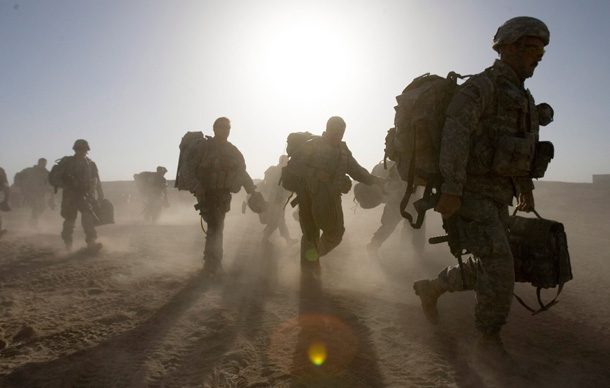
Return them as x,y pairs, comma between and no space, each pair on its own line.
415,141
540,253
294,140
190,146
56,175
145,180
20,178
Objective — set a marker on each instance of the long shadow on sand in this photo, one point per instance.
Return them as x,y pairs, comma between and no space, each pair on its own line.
334,348
116,362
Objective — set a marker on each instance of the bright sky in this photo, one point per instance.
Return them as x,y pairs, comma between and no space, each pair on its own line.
132,77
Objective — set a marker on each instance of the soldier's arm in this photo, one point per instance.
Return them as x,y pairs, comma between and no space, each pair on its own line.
359,173
98,188
247,181
463,115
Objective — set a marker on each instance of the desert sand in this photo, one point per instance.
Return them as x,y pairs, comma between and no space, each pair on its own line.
139,313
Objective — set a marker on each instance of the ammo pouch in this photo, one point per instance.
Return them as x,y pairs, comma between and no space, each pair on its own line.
544,153
514,155
540,252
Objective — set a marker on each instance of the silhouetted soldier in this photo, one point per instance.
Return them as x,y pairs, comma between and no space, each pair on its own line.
80,181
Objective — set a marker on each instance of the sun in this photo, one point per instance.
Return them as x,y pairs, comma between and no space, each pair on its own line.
306,60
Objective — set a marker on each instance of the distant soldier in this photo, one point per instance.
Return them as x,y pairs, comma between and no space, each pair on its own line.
216,170
4,188
153,187
391,217
323,165
78,176
35,187
274,217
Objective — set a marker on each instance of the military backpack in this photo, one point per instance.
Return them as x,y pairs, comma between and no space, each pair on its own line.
190,146
294,141
415,141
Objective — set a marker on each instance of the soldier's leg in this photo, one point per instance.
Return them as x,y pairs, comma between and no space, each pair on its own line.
217,205
69,211
333,234
495,277
486,229
156,208
283,228
310,257
38,207
88,222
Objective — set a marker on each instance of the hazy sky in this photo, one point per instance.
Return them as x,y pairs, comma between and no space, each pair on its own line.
132,77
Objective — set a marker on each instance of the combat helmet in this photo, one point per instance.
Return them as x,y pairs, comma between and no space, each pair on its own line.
515,28
81,144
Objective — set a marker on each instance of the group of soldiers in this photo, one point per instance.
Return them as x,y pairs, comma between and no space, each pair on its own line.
78,177
491,101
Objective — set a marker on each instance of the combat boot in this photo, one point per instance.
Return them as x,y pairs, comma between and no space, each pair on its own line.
93,247
429,291
490,352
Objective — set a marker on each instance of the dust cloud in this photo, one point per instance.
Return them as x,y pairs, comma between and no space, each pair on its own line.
138,314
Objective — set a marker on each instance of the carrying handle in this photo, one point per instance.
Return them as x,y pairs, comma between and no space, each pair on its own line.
533,210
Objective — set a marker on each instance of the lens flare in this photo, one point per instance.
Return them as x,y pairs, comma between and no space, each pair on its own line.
312,254
317,353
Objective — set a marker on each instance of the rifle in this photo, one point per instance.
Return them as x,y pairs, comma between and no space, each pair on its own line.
89,205
454,236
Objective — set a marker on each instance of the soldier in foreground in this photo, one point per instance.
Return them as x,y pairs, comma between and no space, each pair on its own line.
4,188
78,176
491,109
217,170
153,187
323,164
274,217
35,187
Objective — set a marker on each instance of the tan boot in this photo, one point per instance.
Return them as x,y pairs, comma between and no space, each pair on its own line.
429,291
490,352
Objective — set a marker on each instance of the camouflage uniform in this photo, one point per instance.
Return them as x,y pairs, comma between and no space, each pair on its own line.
35,187
391,217
489,108
82,181
154,189
218,169
4,188
320,202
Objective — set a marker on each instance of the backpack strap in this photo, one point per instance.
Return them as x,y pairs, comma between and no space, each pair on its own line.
543,307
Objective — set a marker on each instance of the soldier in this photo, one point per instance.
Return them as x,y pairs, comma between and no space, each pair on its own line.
153,187
4,188
34,184
274,216
323,163
217,170
80,182
489,117
391,217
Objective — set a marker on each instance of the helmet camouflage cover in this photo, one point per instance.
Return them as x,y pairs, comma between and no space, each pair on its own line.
520,26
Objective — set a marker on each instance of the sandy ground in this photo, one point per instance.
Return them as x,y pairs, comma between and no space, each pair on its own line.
140,315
